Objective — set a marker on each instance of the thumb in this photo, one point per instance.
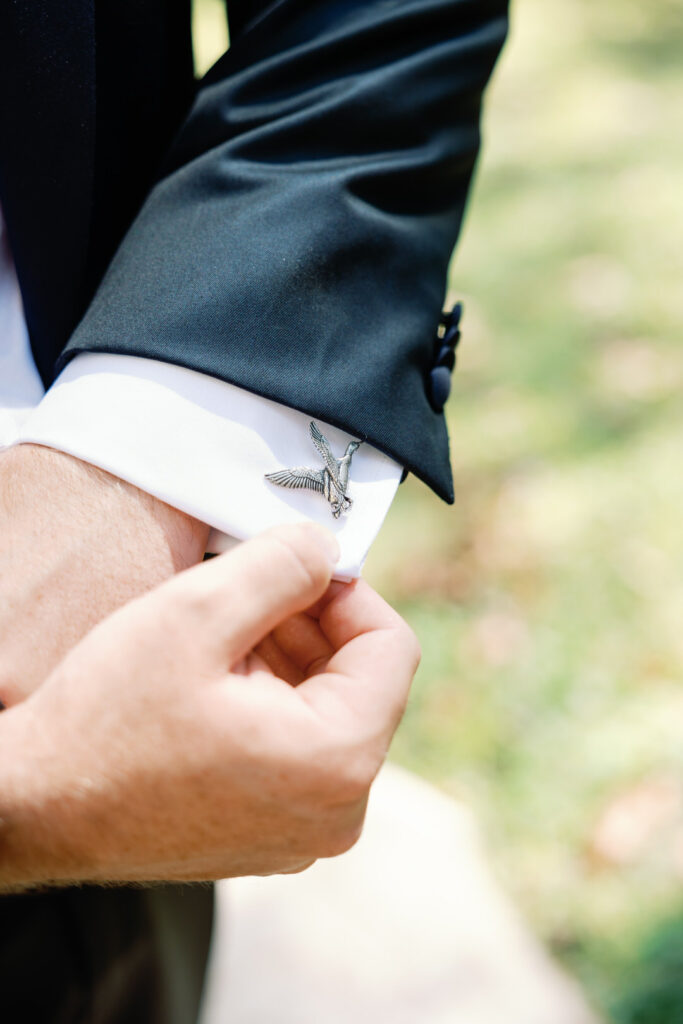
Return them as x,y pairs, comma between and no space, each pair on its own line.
238,598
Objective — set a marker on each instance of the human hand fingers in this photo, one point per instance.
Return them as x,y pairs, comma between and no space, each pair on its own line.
297,647
277,662
302,640
367,679
243,777
233,602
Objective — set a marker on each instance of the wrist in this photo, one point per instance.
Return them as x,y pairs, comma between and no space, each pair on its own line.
75,544
36,480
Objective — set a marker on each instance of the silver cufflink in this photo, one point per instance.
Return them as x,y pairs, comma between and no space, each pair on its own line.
332,481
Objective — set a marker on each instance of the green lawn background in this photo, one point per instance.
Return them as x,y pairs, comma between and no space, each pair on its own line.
549,600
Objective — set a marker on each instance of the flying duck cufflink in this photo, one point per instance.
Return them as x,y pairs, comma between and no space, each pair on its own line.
332,481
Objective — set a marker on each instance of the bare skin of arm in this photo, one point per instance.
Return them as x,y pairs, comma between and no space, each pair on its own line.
230,722
75,544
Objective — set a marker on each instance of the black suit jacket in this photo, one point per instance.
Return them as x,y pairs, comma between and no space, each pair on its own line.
285,224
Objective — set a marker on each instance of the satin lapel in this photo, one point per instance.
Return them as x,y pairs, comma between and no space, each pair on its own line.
47,135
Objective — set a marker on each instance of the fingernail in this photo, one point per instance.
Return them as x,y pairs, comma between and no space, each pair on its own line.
328,542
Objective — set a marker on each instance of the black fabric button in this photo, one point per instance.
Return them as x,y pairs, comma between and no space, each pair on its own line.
446,357
453,318
451,337
440,383
444,363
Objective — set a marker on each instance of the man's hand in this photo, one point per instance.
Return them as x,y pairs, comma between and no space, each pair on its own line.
229,723
75,543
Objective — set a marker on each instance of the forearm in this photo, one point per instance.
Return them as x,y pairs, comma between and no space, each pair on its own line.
31,472
75,543
50,832
29,848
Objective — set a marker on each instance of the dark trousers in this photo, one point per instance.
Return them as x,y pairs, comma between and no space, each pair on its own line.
104,956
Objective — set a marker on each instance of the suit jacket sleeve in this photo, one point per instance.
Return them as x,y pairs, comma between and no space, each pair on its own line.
297,240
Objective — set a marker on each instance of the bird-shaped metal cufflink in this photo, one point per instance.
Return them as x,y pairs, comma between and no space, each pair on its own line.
331,481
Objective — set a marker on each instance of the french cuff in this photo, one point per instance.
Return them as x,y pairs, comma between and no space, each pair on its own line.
205,447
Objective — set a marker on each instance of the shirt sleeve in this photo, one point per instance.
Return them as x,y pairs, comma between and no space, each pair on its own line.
205,446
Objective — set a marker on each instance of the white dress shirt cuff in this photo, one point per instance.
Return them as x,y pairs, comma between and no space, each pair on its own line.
204,447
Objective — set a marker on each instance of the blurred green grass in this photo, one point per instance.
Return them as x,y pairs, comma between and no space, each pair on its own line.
549,601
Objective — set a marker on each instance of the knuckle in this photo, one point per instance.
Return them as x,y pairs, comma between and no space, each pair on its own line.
186,602
351,778
195,593
186,610
341,838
